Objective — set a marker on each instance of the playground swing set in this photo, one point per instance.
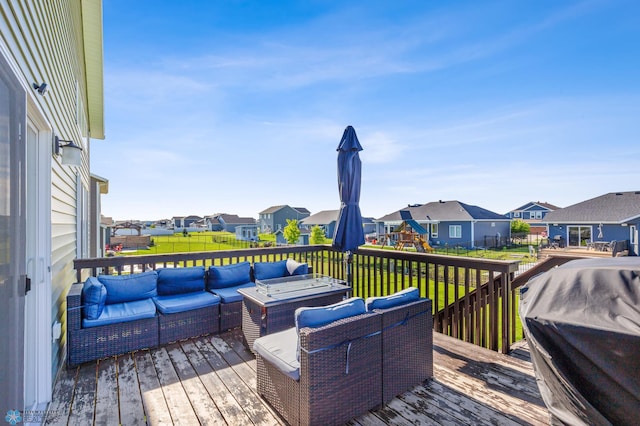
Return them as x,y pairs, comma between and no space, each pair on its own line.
407,235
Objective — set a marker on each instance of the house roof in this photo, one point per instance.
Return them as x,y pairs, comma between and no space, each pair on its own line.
531,204
274,209
439,211
614,207
102,182
94,65
301,210
323,217
234,218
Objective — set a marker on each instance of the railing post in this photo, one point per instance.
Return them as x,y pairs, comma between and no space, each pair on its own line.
506,312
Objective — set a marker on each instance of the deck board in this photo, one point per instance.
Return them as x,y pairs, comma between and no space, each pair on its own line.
129,396
212,380
106,411
174,393
154,405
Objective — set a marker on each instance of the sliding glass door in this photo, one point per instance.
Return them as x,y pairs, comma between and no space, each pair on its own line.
579,236
13,278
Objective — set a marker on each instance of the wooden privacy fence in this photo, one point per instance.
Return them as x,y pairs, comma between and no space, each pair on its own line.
473,299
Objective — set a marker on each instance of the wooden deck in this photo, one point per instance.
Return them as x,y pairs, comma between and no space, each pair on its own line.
211,380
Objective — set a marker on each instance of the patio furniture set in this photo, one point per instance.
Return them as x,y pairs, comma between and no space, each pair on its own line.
342,360
115,314
316,351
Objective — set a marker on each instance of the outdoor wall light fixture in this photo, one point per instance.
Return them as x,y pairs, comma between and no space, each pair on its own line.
41,88
71,154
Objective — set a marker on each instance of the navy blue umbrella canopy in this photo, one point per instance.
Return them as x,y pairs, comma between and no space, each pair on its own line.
349,233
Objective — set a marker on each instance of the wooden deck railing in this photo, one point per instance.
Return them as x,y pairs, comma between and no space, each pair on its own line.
473,299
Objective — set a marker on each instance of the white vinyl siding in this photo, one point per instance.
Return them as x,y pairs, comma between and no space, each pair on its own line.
45,41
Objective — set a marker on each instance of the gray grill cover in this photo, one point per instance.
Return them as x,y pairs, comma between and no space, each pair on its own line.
582,324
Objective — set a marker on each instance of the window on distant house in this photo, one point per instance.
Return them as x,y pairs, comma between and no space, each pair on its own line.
516,214
538,215
434,230
455,231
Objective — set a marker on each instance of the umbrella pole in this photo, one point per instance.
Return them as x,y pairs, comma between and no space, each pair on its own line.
347,260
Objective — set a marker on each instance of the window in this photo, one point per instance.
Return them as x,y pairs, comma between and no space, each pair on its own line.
538,215
434,230
455,231
516,214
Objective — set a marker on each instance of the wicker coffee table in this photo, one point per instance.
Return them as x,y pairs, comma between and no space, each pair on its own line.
270,305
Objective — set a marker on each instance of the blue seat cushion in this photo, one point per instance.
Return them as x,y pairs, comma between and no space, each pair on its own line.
296,268
180,280
123,312
402,297
268,270
230,294
94,296
229,275
129,288
280,350
322,315
185,302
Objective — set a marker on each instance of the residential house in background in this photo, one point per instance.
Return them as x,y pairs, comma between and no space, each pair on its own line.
177,222
302,240
275,217
325,219
227,222
533,213
368,225
51,104
180,222
452,223
247,232
610,217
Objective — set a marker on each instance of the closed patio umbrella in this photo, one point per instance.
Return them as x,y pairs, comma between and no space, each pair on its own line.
348,233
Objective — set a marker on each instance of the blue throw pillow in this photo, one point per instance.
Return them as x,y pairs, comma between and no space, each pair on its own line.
129,288
180,280
229,275
94,296
322,315
268,270
402,297
296,268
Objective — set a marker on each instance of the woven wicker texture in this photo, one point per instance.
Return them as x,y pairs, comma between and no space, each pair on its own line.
337,362
99,342
407,347
183,325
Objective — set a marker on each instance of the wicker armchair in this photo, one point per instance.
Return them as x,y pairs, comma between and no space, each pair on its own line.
407,347
340,373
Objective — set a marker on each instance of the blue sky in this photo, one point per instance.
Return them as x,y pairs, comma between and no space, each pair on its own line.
236,106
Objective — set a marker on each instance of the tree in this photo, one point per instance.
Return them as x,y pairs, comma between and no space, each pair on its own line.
520,227
317,235
291,231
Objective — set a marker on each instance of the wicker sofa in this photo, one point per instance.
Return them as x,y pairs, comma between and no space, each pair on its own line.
110,315
322,383
407,342
323,372
115,314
